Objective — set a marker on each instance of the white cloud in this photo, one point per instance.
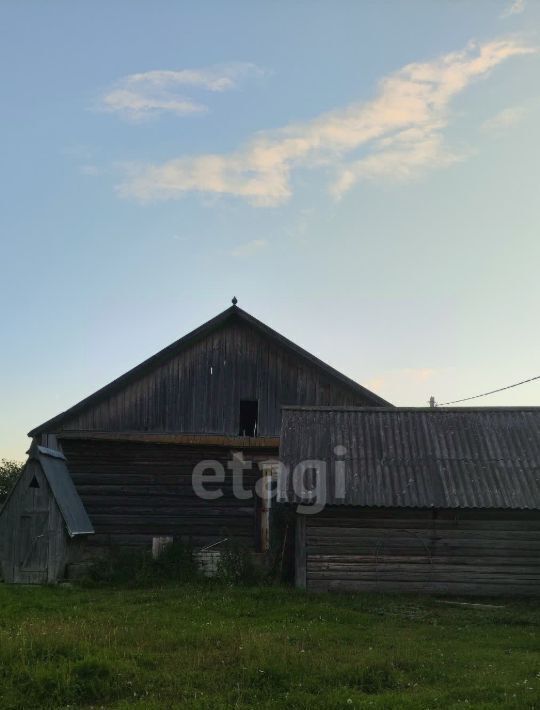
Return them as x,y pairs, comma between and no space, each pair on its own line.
396,135
249,248
504,119
136,105
140,96
515,7
405,157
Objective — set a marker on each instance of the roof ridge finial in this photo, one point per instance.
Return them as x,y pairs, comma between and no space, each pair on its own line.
234,300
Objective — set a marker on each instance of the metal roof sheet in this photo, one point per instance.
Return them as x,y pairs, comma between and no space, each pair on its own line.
406,457
55,468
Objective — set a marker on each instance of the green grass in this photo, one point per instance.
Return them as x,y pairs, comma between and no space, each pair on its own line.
214,647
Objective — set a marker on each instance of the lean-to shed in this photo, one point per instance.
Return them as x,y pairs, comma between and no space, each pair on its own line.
422,500
41,520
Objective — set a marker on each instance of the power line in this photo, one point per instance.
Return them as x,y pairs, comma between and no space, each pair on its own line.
508,387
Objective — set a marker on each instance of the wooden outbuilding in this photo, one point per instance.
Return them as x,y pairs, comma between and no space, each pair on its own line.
215,394
415,500
42,521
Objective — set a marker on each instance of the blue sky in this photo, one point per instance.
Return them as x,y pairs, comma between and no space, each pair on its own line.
363,176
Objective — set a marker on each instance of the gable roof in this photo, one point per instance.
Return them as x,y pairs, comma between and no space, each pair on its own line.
54,466
231,315
421,457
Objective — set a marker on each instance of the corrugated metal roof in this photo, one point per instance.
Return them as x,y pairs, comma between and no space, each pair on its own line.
55,468
418,458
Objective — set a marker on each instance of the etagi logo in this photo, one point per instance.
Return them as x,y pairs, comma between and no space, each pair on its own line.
308,484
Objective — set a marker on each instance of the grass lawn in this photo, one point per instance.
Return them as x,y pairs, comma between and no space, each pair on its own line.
214,647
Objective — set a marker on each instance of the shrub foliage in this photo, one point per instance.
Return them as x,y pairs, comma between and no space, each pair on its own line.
9,472
138,567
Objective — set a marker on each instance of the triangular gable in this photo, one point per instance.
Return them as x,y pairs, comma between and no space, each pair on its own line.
231,315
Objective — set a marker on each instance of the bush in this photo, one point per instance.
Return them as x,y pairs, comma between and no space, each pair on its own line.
236,566
9,473
177,563
138,567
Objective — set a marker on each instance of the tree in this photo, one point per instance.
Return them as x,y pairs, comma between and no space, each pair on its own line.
9,472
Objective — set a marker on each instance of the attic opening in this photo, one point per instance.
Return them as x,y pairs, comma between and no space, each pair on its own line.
249,413
34,483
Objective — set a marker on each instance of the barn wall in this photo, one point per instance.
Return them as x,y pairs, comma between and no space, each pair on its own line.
448,552
199,391
135,491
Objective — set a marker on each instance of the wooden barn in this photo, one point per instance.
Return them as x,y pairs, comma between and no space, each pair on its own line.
421,500
131,447
43,521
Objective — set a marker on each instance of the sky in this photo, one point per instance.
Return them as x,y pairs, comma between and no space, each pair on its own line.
363,176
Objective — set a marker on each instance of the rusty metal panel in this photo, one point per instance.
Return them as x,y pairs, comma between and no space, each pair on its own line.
417,458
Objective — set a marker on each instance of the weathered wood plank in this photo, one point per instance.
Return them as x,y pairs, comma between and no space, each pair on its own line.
449,588
533,559
300,570
430,551
435,533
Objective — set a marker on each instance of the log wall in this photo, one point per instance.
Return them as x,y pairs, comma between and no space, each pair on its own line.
134,491
469,552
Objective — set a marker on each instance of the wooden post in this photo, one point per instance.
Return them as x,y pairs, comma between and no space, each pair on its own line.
300,576
268,474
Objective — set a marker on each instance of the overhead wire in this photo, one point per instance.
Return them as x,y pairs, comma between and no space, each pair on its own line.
485,394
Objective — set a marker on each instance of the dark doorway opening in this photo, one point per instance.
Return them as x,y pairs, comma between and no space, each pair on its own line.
249,412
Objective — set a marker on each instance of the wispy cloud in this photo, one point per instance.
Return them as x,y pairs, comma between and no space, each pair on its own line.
411,375
515,7
396,135
412,385
249,248
504,119
140,96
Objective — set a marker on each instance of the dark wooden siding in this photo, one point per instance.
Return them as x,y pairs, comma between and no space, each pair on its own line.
199,390
447,552
135,491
